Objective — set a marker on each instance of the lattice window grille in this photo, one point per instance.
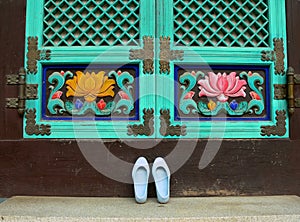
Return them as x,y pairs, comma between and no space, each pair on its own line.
91,22
228,23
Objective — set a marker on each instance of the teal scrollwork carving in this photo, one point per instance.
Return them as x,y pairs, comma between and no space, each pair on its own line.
126,104
230,86
189,81
84,101
78,108
55,103
255,82
205,109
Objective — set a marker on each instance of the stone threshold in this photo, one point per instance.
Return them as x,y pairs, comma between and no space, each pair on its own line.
210,209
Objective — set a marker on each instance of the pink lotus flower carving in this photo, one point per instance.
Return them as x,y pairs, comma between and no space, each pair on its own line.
222,86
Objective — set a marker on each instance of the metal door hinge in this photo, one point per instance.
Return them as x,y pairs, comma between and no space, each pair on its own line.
25,91
293,79
283,91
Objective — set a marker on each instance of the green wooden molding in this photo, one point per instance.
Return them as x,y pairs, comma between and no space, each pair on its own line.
145,129
146,54
166,129
167,55
34,55
277,56
32,128
279,129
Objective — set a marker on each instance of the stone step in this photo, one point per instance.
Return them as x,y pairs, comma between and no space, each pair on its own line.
213,209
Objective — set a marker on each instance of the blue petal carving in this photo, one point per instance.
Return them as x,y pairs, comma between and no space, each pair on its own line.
78,104
234,105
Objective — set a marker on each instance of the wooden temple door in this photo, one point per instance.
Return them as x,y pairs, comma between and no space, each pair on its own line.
204,83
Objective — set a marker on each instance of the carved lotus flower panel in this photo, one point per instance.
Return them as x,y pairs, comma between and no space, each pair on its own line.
222,86
90,86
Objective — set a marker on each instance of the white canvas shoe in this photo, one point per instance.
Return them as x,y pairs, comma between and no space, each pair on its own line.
140,176
161,175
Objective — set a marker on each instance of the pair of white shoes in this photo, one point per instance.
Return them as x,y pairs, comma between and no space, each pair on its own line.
161,175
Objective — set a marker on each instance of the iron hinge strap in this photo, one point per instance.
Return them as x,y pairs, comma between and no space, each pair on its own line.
287,91
292,79
25,91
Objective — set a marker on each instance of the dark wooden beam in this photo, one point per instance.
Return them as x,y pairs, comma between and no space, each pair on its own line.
241,167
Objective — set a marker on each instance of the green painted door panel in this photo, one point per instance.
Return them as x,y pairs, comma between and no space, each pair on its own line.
156,69
225,57
86,57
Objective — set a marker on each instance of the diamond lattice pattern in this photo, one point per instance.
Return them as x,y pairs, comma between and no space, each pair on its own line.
227,23
91,22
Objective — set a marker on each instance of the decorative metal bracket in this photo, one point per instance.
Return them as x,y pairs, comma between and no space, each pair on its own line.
167,55
277,56
34,55
279,129
146,54
32,128
166,129
145,129
280,91
25,91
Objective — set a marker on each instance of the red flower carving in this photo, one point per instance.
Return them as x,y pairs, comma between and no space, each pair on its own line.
189,95
123,95
57,95
101,104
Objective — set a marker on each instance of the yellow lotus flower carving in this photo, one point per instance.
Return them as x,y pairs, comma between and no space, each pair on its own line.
90,86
